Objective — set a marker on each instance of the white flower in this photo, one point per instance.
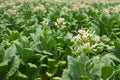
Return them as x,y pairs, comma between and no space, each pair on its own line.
55,23
59,1
40,7
45,21
77,37
13,12
106,11
66,9
60,20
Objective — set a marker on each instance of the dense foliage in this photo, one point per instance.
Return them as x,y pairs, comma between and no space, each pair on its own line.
53,41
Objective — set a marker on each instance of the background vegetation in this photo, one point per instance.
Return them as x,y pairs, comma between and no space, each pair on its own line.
45,40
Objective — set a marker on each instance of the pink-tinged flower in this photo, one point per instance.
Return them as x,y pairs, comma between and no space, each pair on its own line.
97,38
85,35
86,45
81,31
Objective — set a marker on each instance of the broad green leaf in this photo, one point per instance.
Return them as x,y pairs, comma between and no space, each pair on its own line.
34,37
76,68
14,66
4,63
27,54
3,69
106,72
51,43
14,35
19,21
32,71
66,75
68,36
10,52
106,59
113,57
19,47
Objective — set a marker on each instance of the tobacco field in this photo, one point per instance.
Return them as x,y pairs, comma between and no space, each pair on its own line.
45,40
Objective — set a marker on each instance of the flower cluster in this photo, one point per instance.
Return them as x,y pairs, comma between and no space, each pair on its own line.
1,6
86,40
40,8
106,11
66,9
115,8
86,36
12,12
60,23
79,6
45,22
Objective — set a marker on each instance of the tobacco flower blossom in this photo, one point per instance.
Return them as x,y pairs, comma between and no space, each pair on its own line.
86,45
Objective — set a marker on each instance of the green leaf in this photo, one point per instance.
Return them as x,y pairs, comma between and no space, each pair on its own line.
106,72
66,75
51,69
21,76
4,63
32,71
117,48
10,52
51,43
34,37
19,47
76,68
1,52
113,57
27,54
3,69
50,74
14,35
68,36
60,63
19,21
32,65
14,66
38,79
47,53
56,78
84,78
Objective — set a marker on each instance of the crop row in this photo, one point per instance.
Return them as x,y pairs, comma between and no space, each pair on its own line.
53,41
